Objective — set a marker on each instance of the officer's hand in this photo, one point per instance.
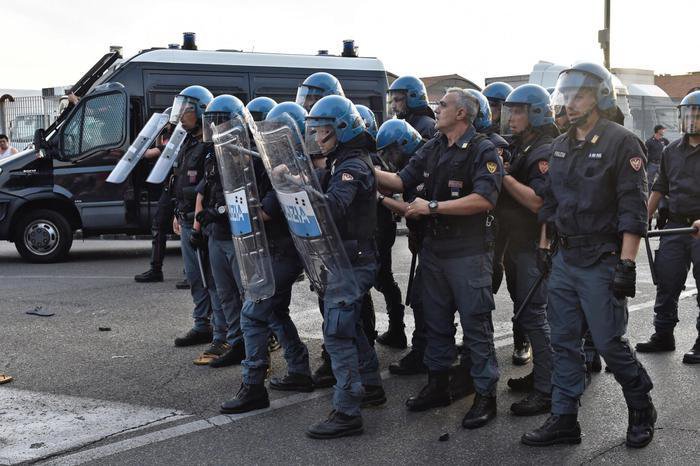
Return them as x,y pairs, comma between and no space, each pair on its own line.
696,225
279,171
625,279
176,226
197,240
417,208
544,260
207,216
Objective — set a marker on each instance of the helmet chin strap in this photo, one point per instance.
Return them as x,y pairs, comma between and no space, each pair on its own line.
580,121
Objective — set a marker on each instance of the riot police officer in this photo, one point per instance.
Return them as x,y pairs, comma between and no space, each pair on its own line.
188,171
527,118
386,237
316,86
409,101
595,197
212,220
336,128
259,317
496,93
678,177
462,173
259,107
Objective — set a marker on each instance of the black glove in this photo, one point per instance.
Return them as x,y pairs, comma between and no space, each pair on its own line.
625,279
197,240
544,260
207,216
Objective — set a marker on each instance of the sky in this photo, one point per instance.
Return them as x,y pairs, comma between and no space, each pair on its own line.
51,43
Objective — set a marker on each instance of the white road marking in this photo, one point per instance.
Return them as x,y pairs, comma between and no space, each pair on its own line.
34,425
199,425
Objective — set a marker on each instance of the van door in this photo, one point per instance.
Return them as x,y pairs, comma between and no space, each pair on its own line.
90,142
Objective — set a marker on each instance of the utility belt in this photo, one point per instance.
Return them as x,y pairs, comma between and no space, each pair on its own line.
685,219
360,252
578,241
440,227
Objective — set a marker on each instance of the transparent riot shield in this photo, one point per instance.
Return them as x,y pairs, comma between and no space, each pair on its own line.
142,142
304,205
235,161
167,158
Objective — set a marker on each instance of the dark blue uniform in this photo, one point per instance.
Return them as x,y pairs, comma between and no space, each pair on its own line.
351,197
654,149
423,121
258,318
679,179
456,256
529,165
596,191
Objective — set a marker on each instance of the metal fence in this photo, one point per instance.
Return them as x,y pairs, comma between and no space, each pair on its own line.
22,116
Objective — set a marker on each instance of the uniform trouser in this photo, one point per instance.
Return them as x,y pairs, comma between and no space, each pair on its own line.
205,299
224,268
672,264
353,360
258,318
159,229
606,316
503,264
418,341
652,170
533,319
464,284
369,321
385,284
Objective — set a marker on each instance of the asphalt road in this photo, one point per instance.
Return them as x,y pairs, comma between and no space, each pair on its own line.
127,396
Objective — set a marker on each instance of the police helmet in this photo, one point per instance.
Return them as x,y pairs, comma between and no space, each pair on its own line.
370,120
483,116
497,91
337,112
295,111
192,98
259,107
689,113
585,75
536,100
223,112
315,87
416,94
399,132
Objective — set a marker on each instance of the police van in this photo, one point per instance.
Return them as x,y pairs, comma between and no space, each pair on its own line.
59,186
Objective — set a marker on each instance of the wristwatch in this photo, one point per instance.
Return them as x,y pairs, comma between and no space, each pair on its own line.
221,209
433,206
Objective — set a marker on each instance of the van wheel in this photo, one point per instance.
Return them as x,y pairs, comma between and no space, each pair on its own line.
43,236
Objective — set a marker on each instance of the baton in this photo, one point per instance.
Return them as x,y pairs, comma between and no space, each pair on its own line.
530,293
411,274
200,264
667,232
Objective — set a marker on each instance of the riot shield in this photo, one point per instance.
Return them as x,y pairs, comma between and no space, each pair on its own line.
304,205
235,161
167,158
142,142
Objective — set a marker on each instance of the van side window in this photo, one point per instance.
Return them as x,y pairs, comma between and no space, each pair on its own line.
98,122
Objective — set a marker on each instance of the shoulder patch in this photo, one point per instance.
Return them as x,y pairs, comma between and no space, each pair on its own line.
543,165
636,163
491,167
346,176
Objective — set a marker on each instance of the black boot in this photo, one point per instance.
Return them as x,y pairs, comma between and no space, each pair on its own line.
522,352
659,342
293,383
248,398
232,357
434,395
558,428
410,364
693,356
183,285
523,384
481,412
640,430
194,338
535,403
595,365
461,382
374,396
394,337
149,276
323,377
337,425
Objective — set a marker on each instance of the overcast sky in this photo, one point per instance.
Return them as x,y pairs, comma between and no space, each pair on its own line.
54,43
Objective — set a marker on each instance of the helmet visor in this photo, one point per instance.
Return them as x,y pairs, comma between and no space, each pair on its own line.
572,86
213,121
515,119
392,156
307,96
181,105
319,138
690,119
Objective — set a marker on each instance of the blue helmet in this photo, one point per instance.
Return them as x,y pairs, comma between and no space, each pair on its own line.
259,107
536,98
194,98
401,133
416,94
339,113
295,111
483,117
315,87
586,75
497,91
221,109
689,113
368,117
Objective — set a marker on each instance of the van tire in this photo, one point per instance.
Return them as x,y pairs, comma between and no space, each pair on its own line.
43,236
